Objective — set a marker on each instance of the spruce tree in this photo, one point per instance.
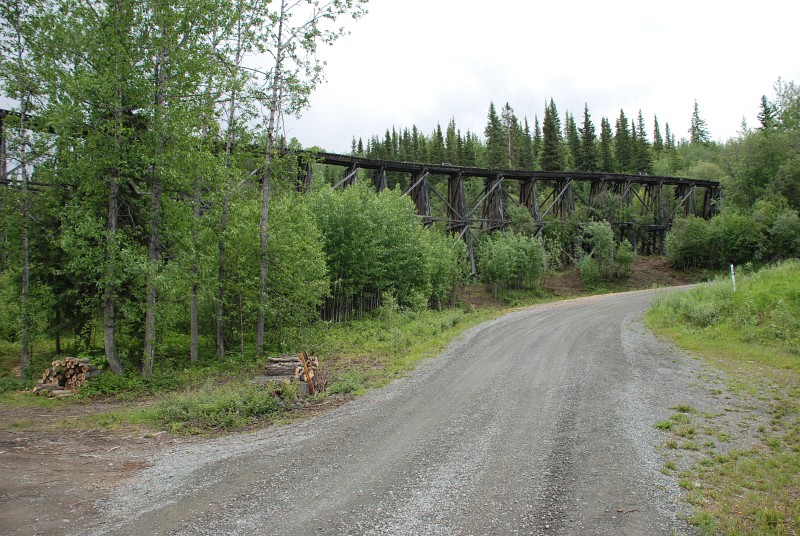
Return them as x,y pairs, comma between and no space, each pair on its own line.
766,114
437,146
607,163
526,147
451,144
537,140
551,159
669,139
588,148
644,159
623,145
698,132
573,141
495,140
658,141
511,137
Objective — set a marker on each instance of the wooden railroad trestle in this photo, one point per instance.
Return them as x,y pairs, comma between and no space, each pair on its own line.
548,196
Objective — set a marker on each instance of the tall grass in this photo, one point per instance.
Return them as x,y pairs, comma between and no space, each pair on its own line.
762,314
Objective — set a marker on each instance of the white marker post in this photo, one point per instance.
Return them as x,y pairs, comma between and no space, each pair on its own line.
733,278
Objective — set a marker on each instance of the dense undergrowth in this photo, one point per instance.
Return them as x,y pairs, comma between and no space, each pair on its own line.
217,396
753,334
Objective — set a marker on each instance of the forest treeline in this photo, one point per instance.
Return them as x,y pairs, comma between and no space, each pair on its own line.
759,170
150,220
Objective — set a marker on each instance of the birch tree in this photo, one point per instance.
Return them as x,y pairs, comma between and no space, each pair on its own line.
19,82
297,28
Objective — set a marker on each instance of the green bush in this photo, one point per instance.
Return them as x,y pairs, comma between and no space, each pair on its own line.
447,267
604,260
590,272
688,243
9,383
623,260
347,382
735,238
508,260
785,236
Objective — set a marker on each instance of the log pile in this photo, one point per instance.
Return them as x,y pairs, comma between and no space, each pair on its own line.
64,377
291,367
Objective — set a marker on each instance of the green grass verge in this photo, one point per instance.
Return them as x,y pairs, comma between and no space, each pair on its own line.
752,334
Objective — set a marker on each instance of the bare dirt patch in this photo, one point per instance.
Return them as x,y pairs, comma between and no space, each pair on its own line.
53,477
648,272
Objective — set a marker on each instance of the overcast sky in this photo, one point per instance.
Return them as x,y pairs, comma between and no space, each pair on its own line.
425,61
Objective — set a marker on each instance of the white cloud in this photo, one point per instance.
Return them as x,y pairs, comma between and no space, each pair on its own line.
422,62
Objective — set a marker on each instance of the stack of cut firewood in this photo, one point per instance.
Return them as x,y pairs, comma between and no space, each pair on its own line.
64,376
283,366
289,366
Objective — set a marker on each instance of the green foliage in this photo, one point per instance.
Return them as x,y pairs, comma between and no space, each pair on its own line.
784,236
215,409
604,259
551,157
447,267
519,220
375,244
764,308
688,243
347,382
727,238
8,384
509,260
590,272
735,238
623,260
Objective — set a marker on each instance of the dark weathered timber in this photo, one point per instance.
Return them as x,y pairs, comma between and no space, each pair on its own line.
515,175
661,198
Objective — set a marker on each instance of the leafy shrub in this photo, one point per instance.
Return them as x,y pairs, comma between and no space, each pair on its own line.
785,236
590,272
9,383
604,260
623,260
376,244
109,383
508,260
447,267
735,238
688,243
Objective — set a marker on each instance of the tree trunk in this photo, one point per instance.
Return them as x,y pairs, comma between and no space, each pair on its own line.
25,327
274,106
153,255
194,331
152,289
109,335
220,317
25,317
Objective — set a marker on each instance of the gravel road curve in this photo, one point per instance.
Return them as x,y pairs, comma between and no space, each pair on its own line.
539,422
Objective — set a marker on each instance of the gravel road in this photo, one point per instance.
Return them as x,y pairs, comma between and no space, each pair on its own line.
539,422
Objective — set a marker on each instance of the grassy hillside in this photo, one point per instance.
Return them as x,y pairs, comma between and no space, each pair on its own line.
753,336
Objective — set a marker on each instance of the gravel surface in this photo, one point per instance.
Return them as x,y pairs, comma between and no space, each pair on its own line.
540,422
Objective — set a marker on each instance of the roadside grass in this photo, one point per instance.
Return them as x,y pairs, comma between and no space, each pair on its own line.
753,335
370,352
